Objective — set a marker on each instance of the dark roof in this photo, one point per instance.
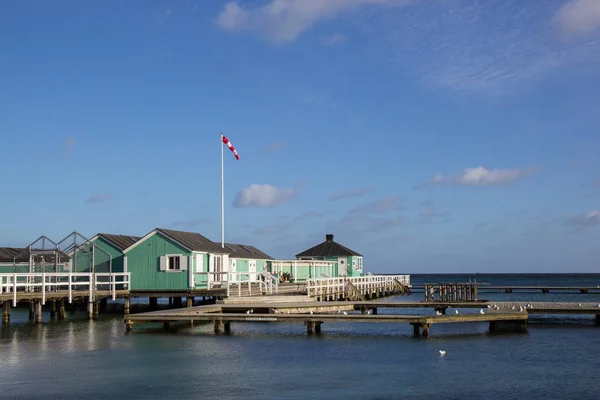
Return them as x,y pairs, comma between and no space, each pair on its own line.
193,241
245,251
8,254
329,248
120,241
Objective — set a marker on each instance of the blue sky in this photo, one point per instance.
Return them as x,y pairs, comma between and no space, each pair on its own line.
431,136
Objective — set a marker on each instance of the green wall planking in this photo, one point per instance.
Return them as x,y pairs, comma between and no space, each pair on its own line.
143,262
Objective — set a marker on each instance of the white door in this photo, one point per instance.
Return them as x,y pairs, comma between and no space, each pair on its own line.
233,270
342,267
252,268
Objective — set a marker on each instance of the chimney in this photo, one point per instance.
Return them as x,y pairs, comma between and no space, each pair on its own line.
329,237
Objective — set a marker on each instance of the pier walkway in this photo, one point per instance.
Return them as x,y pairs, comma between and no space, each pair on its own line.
512,316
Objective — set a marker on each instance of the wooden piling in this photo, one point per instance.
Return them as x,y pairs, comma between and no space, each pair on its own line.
153,301
127,305
597,319
6,312
227,327
190,301
62,312
96,309
31,310
103,305
53,309
310,325
38,312
90,310
128,326
217,324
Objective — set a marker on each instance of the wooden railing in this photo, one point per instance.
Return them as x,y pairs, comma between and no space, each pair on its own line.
344,288
45,283
268,284
303,270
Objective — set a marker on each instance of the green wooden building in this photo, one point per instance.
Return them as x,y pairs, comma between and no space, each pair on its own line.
103,253
166,259
349,262
246,258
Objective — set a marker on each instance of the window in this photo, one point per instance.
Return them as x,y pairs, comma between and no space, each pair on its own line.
174,263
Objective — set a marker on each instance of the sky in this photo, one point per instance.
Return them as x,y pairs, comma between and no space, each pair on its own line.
428,135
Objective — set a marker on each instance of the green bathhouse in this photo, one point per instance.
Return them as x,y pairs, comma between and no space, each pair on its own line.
245,258
349,262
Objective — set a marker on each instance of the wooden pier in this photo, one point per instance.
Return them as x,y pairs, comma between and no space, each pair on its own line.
481,288
501,316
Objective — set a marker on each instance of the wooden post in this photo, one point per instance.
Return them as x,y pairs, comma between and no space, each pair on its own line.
217,324
177,302
90,310
53,309
62,312
425,329
190,301
96,309
597,319
127,305
31,310
170,302
309,326
166,326
128,326
227,327
6,312
318,327
416,330
475,292
38,312
153,301
103,305
426,292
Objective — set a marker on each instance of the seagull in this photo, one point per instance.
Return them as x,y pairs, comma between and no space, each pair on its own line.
345,313
311,313
512,308
438,313
481,311
488,306
456,311
369,312
579,304
442,353
248,312
520,309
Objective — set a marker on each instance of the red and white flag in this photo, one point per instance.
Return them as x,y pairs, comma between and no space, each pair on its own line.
233,150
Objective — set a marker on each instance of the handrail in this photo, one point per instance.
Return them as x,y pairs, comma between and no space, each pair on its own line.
334,287
45,282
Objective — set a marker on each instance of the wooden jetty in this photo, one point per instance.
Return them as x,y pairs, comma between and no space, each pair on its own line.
59,288
505,316
480,288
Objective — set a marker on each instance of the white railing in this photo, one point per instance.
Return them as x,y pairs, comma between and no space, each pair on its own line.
303,270
334,287
71,281
236,280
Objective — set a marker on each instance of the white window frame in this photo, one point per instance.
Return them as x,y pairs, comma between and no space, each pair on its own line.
182,261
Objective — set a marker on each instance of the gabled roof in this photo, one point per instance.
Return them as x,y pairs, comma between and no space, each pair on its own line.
245,251
8,254
329,248
193,241
119,241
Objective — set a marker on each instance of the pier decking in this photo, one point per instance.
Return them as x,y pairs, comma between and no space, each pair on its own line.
513,316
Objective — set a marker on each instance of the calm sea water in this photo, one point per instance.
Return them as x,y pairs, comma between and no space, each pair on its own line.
77,359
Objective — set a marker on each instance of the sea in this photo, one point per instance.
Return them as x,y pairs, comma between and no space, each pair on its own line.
558,358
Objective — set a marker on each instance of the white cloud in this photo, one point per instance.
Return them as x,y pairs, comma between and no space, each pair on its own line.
335,38
583,222
480,176
481,46
282,21
262,195
98,198
579,17
352,193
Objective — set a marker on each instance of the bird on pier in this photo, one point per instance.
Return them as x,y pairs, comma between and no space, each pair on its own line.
438,313
369,312
442,353
345,313
481,311
311,313
456,311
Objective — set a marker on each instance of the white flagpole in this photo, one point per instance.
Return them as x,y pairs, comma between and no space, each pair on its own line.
222,197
